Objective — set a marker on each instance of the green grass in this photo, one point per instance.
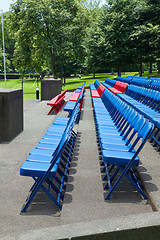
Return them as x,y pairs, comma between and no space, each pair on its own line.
73,83
29,85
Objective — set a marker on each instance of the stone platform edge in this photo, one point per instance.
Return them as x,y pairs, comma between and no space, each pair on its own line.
146,226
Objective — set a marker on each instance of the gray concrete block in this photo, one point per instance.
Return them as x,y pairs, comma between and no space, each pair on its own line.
11,113
50,88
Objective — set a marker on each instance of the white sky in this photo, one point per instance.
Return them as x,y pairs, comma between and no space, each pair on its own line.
102,2
5,4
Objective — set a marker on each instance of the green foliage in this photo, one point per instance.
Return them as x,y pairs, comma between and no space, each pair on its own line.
44,31
9,45
69,36
131,34
117,23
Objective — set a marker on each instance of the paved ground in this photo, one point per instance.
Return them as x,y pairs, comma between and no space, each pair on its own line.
84,210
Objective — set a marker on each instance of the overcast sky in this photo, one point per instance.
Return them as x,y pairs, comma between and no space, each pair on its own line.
5,4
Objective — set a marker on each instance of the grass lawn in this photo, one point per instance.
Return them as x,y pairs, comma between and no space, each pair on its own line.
29,85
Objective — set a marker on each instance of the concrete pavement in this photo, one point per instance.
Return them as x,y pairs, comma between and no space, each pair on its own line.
84,212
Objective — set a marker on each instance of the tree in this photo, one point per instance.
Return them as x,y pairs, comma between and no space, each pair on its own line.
9,44
117,24
152,13
144,41
71,56
43,29
131,32
93,43
95,49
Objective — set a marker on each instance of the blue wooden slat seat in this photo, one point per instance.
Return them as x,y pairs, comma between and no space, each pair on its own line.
61,119
56,129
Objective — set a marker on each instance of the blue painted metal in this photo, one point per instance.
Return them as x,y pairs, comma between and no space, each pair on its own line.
43,163
122,133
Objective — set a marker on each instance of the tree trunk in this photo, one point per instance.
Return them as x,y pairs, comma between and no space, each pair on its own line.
112,71
12,66
61,74
64,83
119,70
140,69
150,68
53,60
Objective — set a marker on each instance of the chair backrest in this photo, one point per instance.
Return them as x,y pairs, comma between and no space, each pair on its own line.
101,89
138,126
145,130
64,92
133,123
111,82
124,79
129,115
96,84
121,86
67,132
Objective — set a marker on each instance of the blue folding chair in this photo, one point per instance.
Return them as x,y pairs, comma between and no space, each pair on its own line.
124,162
111,141
43,167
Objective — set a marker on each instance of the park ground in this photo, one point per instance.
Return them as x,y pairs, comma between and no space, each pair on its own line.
85,213
29,85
